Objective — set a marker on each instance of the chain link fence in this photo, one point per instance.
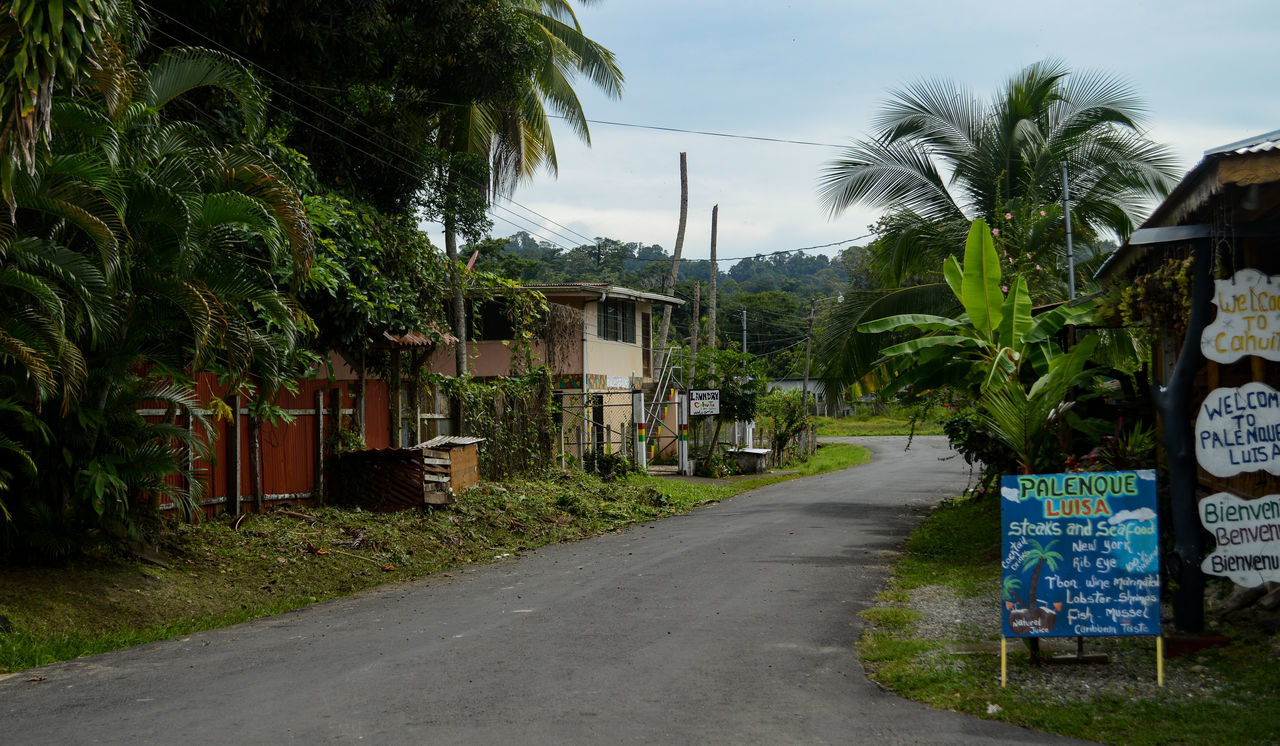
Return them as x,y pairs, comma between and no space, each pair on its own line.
596,425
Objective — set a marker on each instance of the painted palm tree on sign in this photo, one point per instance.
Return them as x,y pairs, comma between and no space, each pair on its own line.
1038,556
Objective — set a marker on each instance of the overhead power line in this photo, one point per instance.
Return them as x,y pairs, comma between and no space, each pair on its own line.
381,145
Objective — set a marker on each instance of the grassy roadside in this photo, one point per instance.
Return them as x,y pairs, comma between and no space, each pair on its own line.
215,573
933,636
895,421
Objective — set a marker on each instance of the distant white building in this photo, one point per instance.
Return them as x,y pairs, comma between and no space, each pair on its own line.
816,393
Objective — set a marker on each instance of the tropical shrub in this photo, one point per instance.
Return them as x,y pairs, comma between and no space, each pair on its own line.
997,353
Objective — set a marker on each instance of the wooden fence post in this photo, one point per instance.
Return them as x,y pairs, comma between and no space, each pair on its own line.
233,456
190,456
317,490
393,401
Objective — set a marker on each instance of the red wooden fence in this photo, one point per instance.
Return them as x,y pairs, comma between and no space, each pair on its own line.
290,451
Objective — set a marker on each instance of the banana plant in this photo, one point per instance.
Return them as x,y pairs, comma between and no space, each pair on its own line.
991,341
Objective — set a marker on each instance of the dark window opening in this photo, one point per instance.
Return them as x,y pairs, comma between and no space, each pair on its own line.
616,320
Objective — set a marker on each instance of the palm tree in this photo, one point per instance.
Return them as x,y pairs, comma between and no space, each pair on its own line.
941,158
514,135
140,242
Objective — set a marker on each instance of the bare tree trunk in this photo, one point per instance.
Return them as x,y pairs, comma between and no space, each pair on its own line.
711,450
711,332
255,460
459,319
669,286
459,315
694,328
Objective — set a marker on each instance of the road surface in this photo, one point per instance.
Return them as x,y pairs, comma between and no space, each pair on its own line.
733,624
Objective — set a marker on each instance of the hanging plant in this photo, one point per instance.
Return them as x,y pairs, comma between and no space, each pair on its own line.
1159,301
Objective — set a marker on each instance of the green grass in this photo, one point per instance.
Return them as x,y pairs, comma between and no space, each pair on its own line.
1219,696
215,574
829,457
895,421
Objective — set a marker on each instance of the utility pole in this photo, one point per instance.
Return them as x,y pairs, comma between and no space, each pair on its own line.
1071,254
808,343
695,327
711,333
669,287
744,330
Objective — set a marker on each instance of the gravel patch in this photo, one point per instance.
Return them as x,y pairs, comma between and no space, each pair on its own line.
971,629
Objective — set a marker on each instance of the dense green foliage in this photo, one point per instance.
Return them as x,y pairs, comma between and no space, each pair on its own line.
940,158
237,205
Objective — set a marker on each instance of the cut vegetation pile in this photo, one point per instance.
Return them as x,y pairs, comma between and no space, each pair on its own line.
220,572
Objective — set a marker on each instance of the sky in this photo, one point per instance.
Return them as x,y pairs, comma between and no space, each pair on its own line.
817,71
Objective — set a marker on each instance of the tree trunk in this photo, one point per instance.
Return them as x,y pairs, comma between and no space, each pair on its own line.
711,450
1173,402
459,315
669,286
255,460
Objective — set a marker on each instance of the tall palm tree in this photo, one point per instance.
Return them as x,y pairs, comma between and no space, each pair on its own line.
940,157
514,135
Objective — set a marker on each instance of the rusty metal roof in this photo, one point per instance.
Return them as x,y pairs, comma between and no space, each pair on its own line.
449,440
414,339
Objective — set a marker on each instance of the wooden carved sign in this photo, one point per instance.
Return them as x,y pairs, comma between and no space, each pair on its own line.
1238,430
1248,321
1247,533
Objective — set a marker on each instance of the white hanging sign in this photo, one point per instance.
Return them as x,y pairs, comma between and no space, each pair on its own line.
1248,320
1247,533
1238,430
705,401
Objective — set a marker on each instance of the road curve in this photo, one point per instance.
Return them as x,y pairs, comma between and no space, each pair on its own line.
735,623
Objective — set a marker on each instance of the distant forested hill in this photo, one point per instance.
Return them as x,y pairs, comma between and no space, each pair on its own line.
775,290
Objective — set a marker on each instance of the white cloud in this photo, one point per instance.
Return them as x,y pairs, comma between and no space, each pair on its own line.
1141,514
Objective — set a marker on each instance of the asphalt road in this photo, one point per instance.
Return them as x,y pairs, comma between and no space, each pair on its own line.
733,624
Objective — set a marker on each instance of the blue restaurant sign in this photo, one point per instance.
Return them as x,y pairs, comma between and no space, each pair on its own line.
1080,554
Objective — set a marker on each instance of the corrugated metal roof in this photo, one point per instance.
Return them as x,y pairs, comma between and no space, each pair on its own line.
1255,144
603,289
450,440
414,339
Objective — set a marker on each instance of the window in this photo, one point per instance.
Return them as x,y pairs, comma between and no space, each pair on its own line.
489,320
616,320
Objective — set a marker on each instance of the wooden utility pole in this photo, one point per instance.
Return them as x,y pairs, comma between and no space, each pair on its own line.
711,332
808,344
669,286
696,325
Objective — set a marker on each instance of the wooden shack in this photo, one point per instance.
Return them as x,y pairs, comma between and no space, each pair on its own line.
1221,219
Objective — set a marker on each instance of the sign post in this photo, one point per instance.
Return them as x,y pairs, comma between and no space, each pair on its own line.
1079,555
